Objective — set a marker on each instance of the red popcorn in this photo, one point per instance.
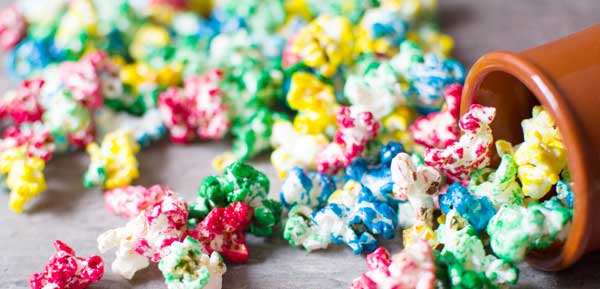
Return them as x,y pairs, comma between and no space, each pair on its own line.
198,108
222,230
439,129
13,27
471,151
148,236
81,79
413,268
36,139
65,270
355,129
22,104
132,200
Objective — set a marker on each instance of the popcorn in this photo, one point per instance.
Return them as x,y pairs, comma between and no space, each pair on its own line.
34,138
113,164
471,151
414,267
541,156
243,183
315,102
429,78
516,230
325,44
24,176
294,149
188,266
499,186
416,184
355,128
439,129
376,177
305,188
147,236
23,104
380,31
130,201
222,230
69,121
477,211
66,270
419,231
82,81
378,91
198,108
460,240
13,27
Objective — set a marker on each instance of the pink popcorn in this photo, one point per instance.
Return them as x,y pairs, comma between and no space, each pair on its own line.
413,268
439,129
22,105
65,270
147,236
81,79
210,111
82,138
355,129
36,139
198,107
417,184
471,151
130,201
222,230
13,27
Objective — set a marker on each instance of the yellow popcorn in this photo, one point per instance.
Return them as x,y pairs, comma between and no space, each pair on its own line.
315,102
147,37
24,176
325,44
113,164
396,126
542,155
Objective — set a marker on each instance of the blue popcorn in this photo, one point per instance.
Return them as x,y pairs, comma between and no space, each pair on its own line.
477,211
306,188
378,217
564,193
376,177
330,225
429,78
28,57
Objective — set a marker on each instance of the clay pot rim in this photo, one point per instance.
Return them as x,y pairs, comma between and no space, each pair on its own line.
546,92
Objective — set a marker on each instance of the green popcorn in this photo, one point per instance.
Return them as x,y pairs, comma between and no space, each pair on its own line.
187,266
95,175
516,230
453,275
468,253
353,9
410,53
500,186
252,131
240,182
262,16
297,227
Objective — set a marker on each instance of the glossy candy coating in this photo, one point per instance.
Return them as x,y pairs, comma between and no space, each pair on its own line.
305,188
477,211
24,176
130,201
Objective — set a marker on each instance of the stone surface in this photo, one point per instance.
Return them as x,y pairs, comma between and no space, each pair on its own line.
76,215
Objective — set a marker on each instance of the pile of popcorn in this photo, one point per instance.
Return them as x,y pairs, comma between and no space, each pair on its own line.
357,102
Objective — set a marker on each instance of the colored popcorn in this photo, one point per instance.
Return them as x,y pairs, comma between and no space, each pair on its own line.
188,266
305,188
355,128
240,183
471,151
222,230
23,176
130,201
414,267
113,164
147,237
66,270
315,102
477,211
294,149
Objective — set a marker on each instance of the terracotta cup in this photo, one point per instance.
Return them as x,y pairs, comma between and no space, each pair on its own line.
563,76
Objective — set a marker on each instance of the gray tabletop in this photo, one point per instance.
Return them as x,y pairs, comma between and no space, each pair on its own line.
69,212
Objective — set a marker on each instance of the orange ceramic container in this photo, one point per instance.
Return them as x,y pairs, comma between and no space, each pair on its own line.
563,76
